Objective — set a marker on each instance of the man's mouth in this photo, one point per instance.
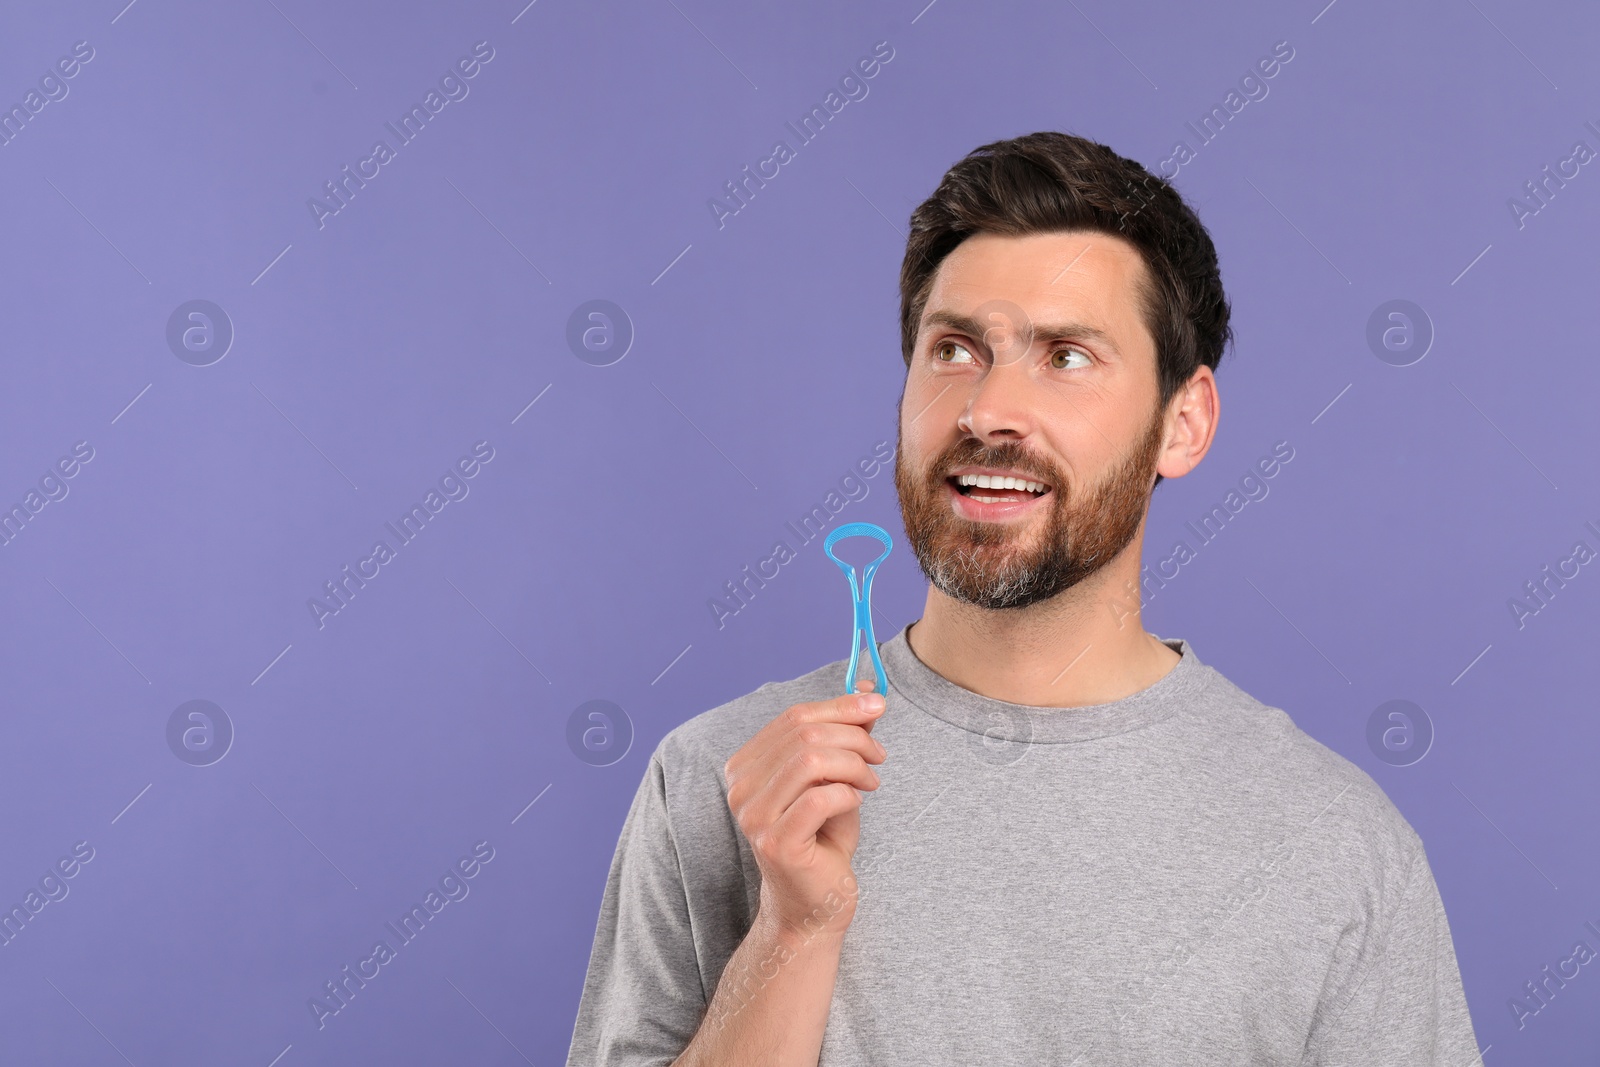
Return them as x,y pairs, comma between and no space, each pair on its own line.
993,489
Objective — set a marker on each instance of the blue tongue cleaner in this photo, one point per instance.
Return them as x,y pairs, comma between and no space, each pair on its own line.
863,681
861,598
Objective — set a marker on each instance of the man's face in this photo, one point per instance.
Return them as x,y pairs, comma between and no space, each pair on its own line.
1031,360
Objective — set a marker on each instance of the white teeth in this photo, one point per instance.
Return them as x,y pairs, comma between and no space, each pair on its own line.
986,481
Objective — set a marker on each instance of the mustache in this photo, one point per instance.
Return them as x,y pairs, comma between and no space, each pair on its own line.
1002,459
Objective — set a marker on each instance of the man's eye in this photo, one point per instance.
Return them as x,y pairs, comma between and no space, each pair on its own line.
1068,351
942,345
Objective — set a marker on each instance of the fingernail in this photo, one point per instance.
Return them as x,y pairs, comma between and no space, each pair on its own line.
871,702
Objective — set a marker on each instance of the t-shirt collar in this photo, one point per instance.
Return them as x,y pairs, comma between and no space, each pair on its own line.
936,695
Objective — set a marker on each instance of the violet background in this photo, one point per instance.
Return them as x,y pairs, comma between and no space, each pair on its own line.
371,353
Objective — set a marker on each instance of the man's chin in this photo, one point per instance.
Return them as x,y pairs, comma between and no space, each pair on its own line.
972,535
991,594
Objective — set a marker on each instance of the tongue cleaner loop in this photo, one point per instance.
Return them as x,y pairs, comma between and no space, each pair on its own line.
862,598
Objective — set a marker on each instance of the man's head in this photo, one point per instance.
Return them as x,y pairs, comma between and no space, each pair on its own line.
1059,306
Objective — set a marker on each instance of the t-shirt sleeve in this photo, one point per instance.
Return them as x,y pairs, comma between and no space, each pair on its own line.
643,997
1405,1003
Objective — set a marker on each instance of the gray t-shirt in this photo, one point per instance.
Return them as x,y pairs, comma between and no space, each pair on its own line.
1181,876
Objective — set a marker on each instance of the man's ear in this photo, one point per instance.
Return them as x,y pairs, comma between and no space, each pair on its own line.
1191,419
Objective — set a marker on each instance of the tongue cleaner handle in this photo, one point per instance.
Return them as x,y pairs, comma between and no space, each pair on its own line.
862,598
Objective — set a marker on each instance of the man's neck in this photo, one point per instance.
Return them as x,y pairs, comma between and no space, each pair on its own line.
1085,646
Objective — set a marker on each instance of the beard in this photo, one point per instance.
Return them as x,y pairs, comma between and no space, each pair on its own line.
997,565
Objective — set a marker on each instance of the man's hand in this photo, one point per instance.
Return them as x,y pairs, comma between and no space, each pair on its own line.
793,789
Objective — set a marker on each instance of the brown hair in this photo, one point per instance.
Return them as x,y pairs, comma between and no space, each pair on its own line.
1049,181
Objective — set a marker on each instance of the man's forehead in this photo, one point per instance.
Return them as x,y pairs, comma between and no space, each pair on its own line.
1043,259
1063,285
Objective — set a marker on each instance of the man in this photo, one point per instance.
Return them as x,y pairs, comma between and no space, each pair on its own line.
1086,846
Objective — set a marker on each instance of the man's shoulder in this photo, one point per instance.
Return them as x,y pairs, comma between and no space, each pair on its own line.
1315,787
710,737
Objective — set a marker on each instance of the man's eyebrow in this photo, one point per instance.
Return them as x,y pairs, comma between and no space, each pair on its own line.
1046,332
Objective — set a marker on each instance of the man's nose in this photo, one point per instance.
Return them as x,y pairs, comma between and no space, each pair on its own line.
1002,400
